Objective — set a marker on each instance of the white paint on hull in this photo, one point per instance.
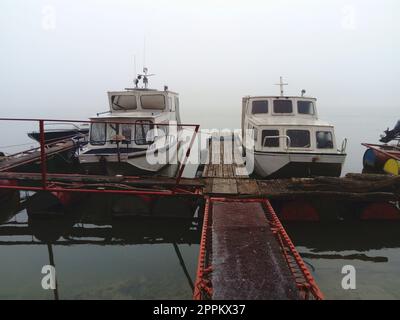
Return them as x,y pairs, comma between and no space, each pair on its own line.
265,164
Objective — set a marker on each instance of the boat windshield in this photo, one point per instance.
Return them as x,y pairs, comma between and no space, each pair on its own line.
283,106
324,140
124,102
98,133
153,101
305,107
259,106
299,138
143,130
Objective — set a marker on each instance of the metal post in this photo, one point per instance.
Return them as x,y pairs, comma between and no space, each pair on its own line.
178,178
51,259
43,154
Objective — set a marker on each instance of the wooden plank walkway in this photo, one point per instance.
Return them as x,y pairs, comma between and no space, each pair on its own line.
225,173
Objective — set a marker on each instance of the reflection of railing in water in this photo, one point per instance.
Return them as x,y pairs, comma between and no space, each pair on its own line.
123,233
128,234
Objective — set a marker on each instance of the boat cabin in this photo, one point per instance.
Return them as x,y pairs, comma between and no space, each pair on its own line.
283,123
132,115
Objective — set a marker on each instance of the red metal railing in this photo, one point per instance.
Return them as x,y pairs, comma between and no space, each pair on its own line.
50,187
304,280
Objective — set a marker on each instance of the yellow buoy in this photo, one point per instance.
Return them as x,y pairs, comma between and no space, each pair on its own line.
392,167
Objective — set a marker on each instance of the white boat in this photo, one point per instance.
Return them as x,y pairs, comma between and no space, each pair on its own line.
138,135
283,137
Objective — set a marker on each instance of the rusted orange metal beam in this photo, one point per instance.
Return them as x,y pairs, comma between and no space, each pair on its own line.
201,285
305,281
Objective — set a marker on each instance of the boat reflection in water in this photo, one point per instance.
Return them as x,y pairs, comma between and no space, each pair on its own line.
104,222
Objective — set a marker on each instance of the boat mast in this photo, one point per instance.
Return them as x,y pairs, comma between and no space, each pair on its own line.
281,84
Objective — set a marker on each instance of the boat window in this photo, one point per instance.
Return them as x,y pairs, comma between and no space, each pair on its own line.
126,132
324,140
299,138
176,103
305,107
268,140
124,102
259,107
283,106
98,133
142,129
153,101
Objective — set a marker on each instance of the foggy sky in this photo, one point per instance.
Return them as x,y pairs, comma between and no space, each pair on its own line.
58,58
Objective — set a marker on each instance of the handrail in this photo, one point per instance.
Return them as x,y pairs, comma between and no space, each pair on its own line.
344,146
63,123
281,136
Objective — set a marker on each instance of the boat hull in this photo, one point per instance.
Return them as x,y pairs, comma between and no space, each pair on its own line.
52,136
287,165
126,163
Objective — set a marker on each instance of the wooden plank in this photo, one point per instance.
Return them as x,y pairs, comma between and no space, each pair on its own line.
247,186
148,181
227,149
216,151
208,186
224,186
241,172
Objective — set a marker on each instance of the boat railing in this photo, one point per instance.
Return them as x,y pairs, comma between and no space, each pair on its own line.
343,146
288,141
59,124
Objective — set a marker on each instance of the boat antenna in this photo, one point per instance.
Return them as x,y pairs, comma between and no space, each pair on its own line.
145,76
281,84
136,80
